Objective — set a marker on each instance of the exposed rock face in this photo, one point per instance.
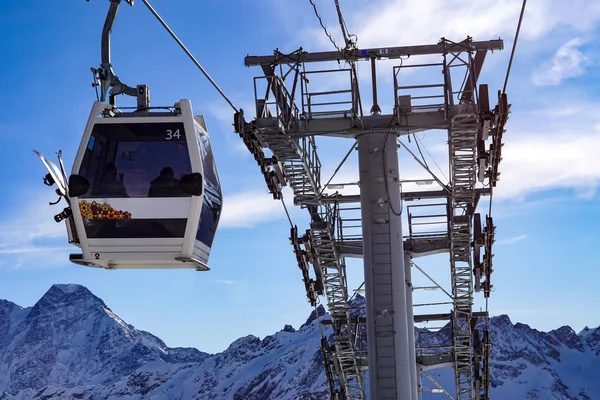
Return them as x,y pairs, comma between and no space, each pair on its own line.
71,345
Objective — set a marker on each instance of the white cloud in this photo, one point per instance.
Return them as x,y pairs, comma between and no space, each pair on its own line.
568,62
381,23
29,249
246,209
394,22
226,281
31,222
30,237
534,163
423,22
555,149
511,240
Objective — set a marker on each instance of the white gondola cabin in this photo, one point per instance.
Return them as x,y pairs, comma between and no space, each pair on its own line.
144,190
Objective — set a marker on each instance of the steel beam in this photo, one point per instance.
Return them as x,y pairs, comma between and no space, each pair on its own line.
445,317
415,247
406,196
468,94
348,127
367,54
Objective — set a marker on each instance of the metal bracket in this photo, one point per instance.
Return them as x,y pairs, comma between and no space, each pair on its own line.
106,75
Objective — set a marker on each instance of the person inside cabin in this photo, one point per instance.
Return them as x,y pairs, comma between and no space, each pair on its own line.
110,185
165,184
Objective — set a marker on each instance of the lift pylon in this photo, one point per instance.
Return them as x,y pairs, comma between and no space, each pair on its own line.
289,117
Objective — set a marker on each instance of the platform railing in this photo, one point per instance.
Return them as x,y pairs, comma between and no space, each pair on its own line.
428,221
328,103
276,102
427,97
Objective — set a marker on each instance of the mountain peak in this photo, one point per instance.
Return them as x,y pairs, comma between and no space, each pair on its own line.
68,287
566,335
501,321
72,346
316,313
68,294
8,306
587,331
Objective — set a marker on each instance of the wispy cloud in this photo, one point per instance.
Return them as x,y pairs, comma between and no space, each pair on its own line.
30,249
226,281
29,237
511,240
540,154
247,209
393,22
568,62
533,163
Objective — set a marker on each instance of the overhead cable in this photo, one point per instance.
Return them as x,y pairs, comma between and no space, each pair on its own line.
339,167
514,46
286,212
343,25
164,24
331,39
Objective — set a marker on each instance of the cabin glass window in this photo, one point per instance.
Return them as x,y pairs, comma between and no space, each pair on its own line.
213,199
136,160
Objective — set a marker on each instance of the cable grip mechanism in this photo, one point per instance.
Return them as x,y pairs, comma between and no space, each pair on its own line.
105,77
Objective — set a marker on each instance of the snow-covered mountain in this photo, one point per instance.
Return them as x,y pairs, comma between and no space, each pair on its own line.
70,345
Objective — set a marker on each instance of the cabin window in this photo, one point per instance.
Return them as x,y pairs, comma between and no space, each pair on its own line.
136,160
213,199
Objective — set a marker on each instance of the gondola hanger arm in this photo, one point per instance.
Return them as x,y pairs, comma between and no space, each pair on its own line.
105,73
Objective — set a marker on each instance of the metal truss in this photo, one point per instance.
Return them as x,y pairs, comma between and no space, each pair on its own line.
449,225
297,159
462,144
347,362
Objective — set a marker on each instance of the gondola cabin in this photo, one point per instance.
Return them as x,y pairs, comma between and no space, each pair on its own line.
144,190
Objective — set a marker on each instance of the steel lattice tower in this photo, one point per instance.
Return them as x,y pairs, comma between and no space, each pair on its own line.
289,117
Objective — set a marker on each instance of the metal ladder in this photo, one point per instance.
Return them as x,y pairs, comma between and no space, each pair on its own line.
298,156
334,277
462,144
302,168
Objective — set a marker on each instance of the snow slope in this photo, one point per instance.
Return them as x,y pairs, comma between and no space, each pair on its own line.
70,345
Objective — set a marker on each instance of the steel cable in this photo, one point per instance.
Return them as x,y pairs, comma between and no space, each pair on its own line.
164,24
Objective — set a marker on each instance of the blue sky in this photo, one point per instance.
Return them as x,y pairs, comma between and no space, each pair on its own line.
546,207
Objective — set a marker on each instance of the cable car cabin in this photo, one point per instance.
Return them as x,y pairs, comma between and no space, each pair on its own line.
144,190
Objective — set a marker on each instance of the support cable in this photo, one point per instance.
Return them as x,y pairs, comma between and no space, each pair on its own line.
420,152
164,24
434,176
342,23
431,279
339,167
286,212
344,27
514,46
440,387
430,156
322,26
